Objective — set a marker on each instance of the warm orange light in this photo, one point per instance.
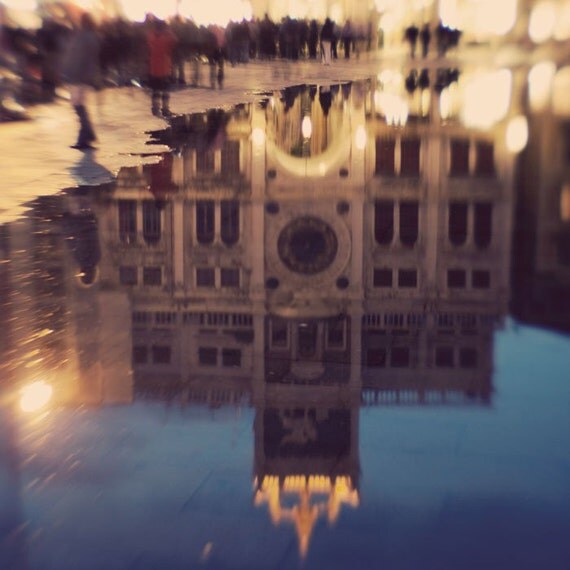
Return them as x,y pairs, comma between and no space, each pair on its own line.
542,22
517,134
307,127
35,396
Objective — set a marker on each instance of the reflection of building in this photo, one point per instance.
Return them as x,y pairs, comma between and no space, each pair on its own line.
384,246
370,266
60,326
306,461
541,256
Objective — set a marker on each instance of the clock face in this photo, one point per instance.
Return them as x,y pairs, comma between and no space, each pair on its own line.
307,245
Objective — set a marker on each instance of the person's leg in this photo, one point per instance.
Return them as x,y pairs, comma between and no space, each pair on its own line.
165,90
86,133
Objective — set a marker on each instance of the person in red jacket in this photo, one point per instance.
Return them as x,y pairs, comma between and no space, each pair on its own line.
160,42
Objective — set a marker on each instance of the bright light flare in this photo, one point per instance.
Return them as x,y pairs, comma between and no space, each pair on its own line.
219,13
307,127
491,17
449,13
20,4
393,107
542,22
540,80
258,136
562,28
360,137
35,396
487,99
517,134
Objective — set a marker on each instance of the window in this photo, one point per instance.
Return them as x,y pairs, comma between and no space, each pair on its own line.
205,277
444,357
385,157
376,357
205,221
410,161
140,354
208,356
409,223
484,159
384,221
127,220
481,279
229,221
407,278
151,222
457,224
161,354
483,224
128,275
231,357
152,276
229,277
468,358
336,332
459,157
307,338
204,161
230,158
382,278
456,278
399,357
279,333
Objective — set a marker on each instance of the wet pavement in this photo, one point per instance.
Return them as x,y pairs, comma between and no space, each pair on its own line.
316,326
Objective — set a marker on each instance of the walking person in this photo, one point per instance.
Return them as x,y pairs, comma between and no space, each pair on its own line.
347,38
327,36
425,38
81,70
160,42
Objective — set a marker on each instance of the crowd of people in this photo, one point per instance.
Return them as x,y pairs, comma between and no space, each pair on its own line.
446,38
159,54
124,48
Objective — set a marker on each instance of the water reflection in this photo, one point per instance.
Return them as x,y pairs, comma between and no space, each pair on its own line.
305,272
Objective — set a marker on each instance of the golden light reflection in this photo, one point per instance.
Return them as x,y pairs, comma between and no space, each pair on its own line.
258,136
562,27
393,107
517,134
487,99
542,22
360,137
560,90
35,396
306,127
305,513
540,80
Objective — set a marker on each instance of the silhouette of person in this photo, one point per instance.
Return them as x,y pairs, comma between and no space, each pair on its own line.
81,70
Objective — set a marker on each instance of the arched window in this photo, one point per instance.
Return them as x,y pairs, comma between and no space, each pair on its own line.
205,221
384,221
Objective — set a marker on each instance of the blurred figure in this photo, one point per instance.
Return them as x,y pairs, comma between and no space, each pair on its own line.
411,36
161,42
313,39
425,38
327,37
81,70
346,37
